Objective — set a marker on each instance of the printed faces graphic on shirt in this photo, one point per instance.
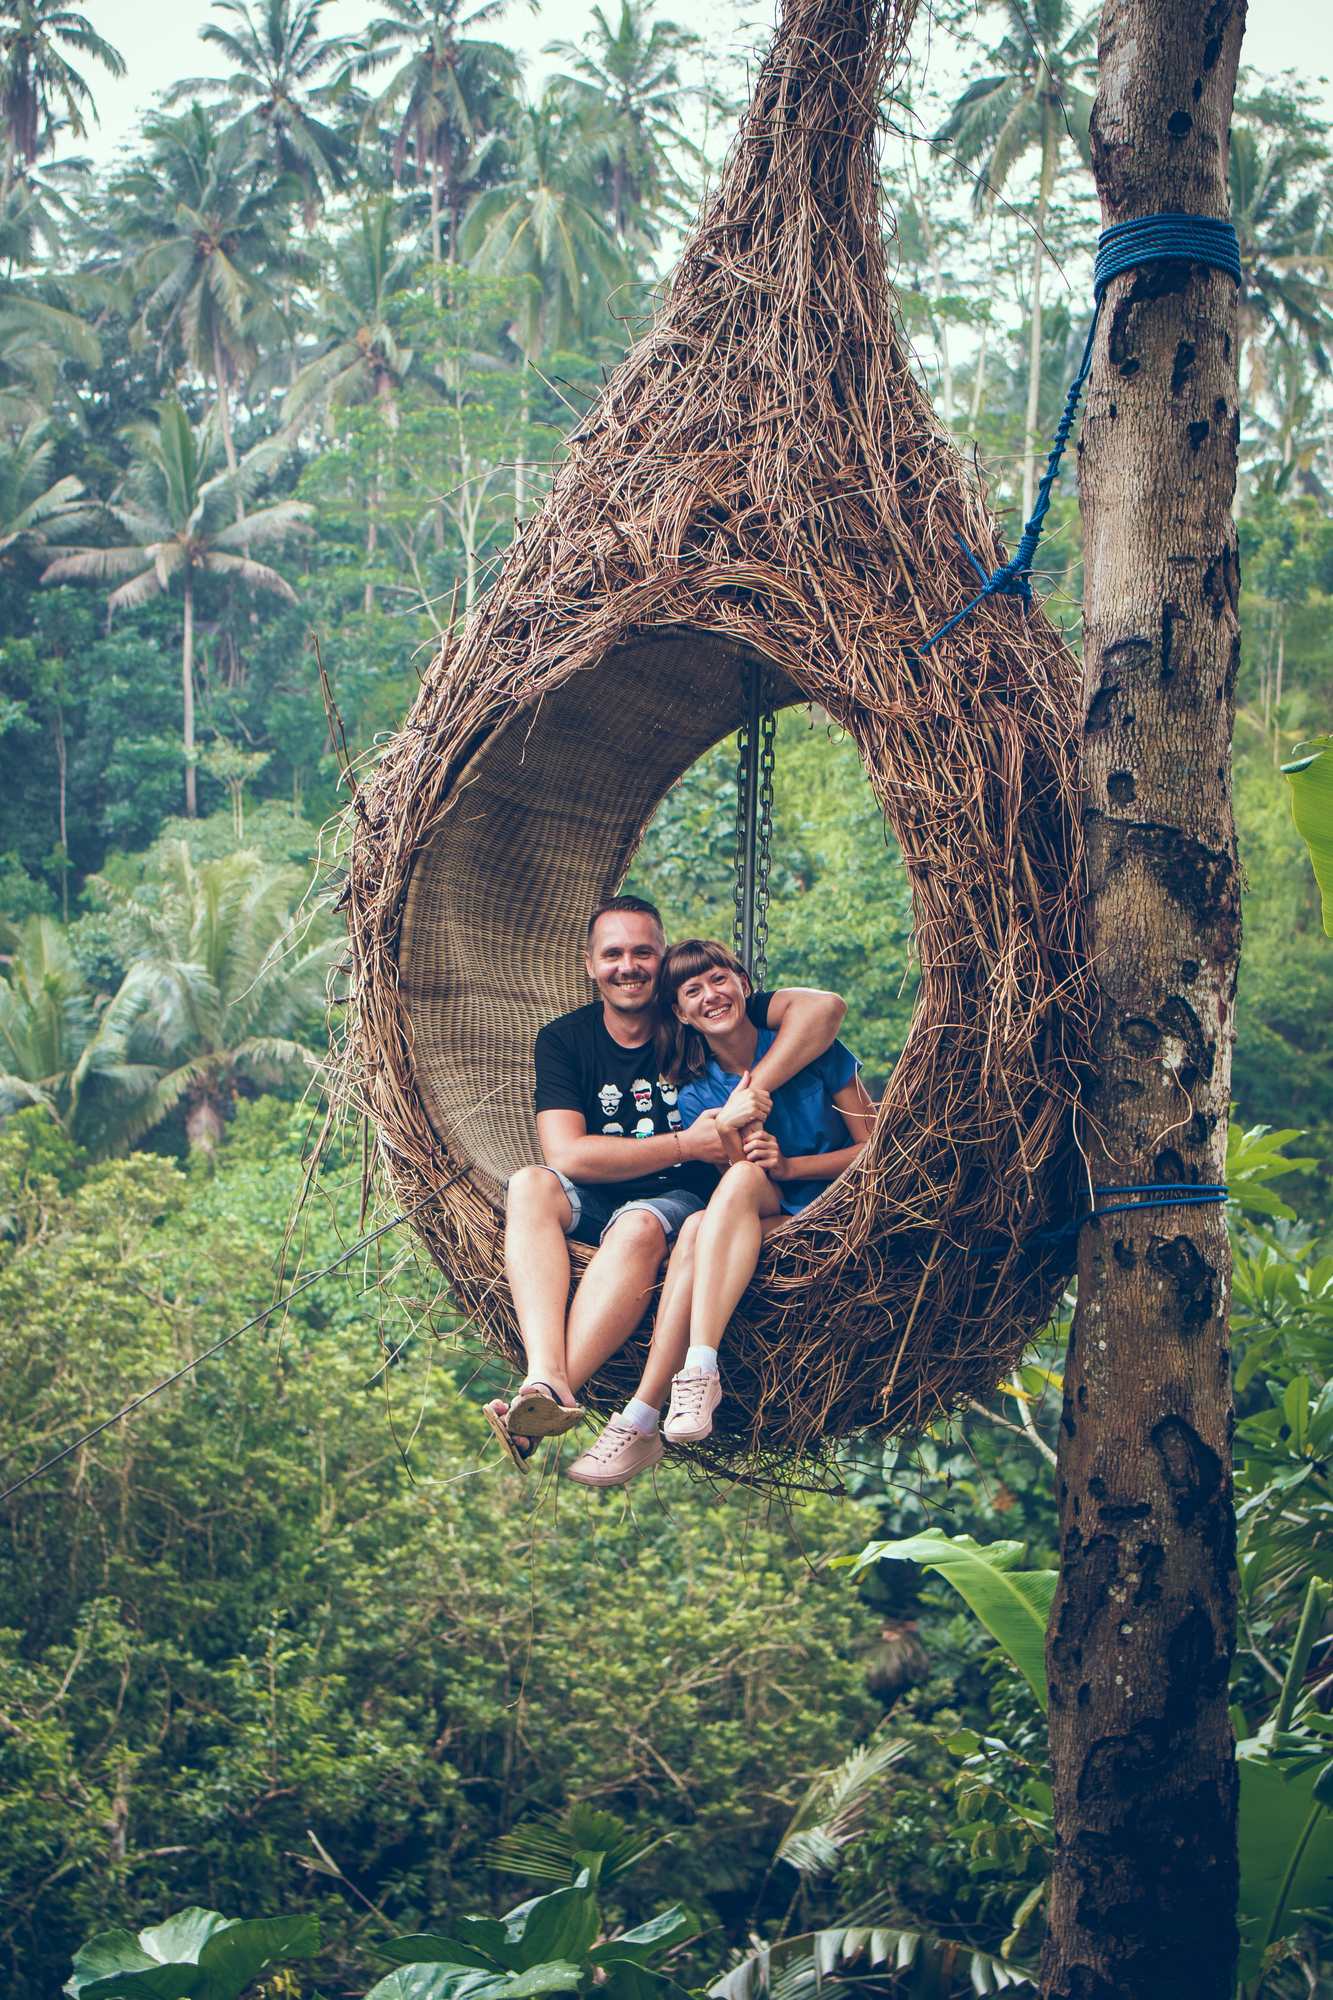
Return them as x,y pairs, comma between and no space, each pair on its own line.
668,1093
641,1090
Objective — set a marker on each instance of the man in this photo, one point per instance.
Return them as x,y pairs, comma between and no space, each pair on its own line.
621,1174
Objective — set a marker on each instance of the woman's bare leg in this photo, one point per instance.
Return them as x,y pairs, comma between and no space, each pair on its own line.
730,1240
671,1328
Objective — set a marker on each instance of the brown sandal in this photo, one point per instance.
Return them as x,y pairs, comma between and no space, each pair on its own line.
537,1413
511,1446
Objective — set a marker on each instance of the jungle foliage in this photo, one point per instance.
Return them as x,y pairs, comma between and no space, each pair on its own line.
287,1645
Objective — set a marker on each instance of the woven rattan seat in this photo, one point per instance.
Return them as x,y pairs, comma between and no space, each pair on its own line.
762,480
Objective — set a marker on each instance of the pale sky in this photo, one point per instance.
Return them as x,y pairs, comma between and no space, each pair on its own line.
160,44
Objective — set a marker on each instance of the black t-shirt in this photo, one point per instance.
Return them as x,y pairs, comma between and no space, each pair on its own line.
580,1068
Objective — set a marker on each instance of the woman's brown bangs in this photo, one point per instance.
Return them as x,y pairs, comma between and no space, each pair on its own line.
688,959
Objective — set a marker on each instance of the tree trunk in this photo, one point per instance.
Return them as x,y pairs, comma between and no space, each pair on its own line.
1050,152
205,1127
372,529
1143,1627
224,412
62,766
979,378
224,417
1277,694
520,457
435,228
187,691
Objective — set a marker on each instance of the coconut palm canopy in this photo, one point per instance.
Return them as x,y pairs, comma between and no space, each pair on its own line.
763,480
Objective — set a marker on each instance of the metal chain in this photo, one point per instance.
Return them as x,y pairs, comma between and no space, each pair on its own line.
764,829
764,845
738,892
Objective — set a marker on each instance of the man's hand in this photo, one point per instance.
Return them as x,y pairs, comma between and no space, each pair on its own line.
762,1150
701,1141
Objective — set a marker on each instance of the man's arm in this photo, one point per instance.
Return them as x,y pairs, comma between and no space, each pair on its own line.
807,1022
580,1155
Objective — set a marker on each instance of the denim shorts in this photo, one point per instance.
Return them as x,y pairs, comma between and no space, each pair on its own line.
596,1208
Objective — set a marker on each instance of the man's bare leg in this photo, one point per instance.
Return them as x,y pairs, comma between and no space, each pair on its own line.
613,1293
537,1214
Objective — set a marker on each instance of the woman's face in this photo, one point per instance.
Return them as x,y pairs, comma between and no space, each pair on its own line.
713,1001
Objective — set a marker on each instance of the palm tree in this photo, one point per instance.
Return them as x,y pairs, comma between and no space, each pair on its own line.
36,335
543,223
174,514
445,93
360,358
227,979
216,237
1034,99
56,1050
29,508
276,59
34,74
1281,205
633,72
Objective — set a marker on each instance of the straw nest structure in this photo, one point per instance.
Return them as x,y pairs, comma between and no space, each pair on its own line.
761,480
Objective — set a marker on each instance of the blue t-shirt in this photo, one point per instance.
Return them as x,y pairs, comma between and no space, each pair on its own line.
804,1118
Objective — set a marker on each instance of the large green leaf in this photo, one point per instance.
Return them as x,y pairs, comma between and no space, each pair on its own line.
559,1926
418,1982
424,1948
1311,781
164,1982
1286,1863
556,1975
106,1953
627,1981
493,1939
237,1953
194,1955
1014,1605
644,1939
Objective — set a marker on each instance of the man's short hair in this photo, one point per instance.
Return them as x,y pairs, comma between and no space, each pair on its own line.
630,906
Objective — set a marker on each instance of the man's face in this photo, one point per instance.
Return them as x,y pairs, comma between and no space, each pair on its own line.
623,958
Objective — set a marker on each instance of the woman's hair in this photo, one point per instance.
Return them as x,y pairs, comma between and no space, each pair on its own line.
682,1052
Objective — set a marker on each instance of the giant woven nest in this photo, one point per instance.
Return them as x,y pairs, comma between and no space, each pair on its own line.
761,480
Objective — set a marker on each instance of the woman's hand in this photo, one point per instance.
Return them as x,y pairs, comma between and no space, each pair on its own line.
762,1150
749,1104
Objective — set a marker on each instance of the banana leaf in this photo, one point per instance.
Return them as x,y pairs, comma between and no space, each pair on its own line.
1286,1855
1014,1605
1311,780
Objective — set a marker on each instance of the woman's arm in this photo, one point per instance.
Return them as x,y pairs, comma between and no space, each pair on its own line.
746,1109
857,1110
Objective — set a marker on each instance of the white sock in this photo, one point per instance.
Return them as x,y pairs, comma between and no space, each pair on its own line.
642,1415
702,1357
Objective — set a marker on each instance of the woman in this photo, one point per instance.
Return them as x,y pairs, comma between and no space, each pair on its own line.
784,1151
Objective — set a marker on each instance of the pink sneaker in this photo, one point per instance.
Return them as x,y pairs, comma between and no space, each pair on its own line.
695,1394
620,1452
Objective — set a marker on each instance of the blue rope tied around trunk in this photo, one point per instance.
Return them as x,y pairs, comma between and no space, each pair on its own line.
1179,239
1161,1194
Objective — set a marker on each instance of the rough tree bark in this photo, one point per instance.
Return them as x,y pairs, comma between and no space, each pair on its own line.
1143,1627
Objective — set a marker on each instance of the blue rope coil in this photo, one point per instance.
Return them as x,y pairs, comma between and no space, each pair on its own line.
1180,239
